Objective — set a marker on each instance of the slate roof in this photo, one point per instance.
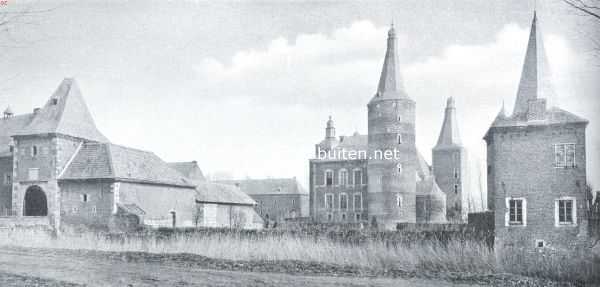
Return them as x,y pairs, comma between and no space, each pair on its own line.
109,161
428,186
190,170
210,192
449,135
10,126
267,186
423,168
65,113
391,85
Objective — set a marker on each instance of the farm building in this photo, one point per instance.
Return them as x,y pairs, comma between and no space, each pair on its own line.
56,166
221,205
276,199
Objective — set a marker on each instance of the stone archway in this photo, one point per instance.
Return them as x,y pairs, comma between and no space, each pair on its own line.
35,202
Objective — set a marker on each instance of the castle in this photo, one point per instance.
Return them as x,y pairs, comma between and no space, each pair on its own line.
536,168
399,188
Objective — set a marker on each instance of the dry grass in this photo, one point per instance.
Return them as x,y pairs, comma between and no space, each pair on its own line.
456,256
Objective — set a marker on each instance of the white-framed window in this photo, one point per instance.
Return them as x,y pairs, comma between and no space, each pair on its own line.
343,177
33,174
328,178
84,197
357,175
564,155
399,167
34,151
516,212
329,201
7,178
343,201
94,210
540,243
565,211
399,138
399,200
74,209
358,204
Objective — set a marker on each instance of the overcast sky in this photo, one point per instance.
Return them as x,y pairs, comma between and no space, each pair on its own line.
246,87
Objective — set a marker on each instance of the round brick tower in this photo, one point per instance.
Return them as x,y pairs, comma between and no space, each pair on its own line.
391,125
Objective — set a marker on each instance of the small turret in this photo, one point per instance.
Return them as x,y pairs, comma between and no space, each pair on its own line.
8,112
330,130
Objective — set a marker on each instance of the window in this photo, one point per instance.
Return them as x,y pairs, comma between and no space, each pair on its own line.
456,189
456,173
540,243
7,179
564,155
399,138
343,201
329,217
34,151
399,166
344,216
399,200
84,198
516,211
343,179
33,174
399,118
293,202
94,210
358,201
357,177
489,169
329,201
329,178
357,216
565,211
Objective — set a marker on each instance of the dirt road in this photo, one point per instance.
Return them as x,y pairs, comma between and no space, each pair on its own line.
20,265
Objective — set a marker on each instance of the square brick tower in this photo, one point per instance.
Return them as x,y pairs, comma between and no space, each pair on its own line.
536,168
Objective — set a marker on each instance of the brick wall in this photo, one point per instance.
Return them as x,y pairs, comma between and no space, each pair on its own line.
318,190
523,166
278,207
86,203
444,162
6,168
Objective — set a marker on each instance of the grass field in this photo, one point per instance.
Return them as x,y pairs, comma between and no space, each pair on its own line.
458,256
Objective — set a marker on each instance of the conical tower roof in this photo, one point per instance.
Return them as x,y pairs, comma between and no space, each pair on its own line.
535,75
449,135
391,85
65,113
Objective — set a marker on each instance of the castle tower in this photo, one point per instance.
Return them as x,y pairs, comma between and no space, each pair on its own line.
536,169
391,128
449,165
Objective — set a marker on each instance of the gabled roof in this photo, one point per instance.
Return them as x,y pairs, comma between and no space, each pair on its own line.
190,170
209,192
10,126
267,186
65,113
391,85
449,135
109,161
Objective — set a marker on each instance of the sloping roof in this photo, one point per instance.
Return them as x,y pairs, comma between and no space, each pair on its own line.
267,186
189,169
429,186
449,135
10,126
110,161
65,113
553,115
131,208
391,85
423,168
209,192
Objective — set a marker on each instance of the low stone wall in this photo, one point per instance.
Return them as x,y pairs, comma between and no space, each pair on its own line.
24,221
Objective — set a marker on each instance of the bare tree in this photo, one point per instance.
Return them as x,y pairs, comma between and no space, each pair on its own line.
588,7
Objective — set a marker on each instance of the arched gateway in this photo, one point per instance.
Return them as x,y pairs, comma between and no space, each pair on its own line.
35,202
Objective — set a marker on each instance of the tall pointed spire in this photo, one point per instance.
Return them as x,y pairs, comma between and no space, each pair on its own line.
534,83
390,81
449,135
